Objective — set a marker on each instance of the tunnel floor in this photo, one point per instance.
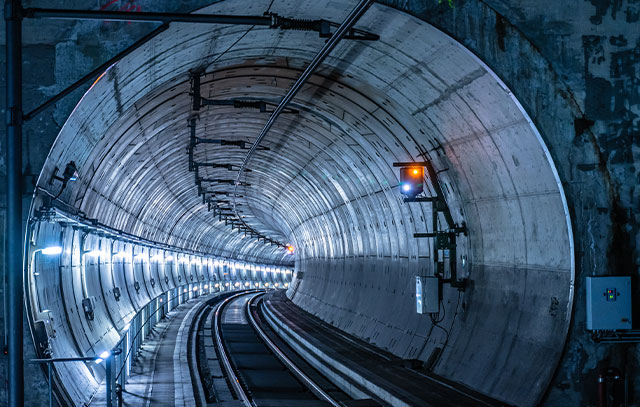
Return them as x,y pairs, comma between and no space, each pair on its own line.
163,375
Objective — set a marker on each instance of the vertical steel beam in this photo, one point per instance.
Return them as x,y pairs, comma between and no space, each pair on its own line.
13,265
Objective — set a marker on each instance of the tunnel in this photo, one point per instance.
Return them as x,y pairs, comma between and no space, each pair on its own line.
121,218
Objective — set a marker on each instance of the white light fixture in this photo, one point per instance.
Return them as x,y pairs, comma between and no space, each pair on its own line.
168,258
52,250
195,288
157,257
206,286
93,253
102,357
127,326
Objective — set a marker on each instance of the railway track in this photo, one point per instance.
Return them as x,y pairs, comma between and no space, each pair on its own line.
259,369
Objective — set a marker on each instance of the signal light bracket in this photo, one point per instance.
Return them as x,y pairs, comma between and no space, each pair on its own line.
444,240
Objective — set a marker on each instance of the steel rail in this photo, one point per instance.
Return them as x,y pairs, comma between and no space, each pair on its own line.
233,378
317,390
331,43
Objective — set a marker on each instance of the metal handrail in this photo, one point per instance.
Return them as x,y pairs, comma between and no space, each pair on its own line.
139,331
110,380
51,361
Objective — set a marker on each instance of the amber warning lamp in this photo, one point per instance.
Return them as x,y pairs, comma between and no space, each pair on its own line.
411,181
290,249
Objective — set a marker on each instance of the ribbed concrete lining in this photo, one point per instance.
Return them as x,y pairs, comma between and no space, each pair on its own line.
327,183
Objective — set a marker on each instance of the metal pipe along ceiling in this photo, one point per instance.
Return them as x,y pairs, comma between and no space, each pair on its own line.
327,185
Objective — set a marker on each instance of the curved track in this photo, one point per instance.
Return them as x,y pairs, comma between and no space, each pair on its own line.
261,373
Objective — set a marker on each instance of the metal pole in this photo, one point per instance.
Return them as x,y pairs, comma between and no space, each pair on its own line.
108,365
13,266
50,385
269,20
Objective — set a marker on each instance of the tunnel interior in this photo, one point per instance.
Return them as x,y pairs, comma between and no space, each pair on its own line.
324,183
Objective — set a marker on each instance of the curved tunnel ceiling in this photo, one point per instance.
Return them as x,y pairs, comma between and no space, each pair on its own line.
327,184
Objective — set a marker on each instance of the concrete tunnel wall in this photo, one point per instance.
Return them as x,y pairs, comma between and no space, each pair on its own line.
119,278
327,184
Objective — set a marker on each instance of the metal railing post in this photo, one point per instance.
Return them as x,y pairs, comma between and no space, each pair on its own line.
49,368
109,380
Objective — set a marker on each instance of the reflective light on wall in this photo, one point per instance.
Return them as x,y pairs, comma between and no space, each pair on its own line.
122,255
126,327
93,253
168,258
157,257
52,250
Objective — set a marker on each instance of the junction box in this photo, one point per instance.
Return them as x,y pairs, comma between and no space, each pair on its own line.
608,303
427,295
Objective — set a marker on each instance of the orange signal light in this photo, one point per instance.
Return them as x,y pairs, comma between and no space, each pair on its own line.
290,249
415,172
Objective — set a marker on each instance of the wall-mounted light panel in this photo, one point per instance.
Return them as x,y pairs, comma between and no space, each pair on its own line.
427,295
608,303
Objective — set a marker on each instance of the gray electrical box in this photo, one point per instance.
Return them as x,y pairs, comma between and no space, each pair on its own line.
427,295
608,303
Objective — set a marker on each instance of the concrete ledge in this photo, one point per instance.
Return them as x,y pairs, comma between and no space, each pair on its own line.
350,381
183,385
